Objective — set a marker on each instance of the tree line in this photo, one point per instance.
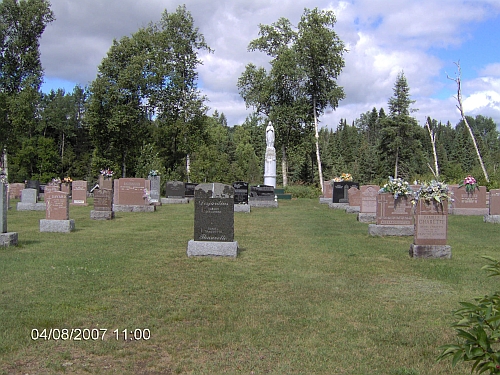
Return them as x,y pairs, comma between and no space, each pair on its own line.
144,111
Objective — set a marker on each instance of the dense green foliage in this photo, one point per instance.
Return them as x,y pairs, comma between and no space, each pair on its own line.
144,111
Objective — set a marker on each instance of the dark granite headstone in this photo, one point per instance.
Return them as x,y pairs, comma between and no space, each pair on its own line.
175,189
240,192
33,184
214,213
103,200
262,192
341,189
189,189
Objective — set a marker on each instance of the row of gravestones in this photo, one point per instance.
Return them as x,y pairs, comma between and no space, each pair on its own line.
427,222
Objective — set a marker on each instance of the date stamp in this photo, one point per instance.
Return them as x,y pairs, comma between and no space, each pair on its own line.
89,334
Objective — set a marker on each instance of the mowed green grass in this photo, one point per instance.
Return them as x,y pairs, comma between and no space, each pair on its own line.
309,293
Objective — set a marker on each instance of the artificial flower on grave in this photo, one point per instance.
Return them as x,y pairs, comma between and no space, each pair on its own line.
67,180
153,173
470,184
107,172
146,195
343,177
56,180
433,191
397,187
3,178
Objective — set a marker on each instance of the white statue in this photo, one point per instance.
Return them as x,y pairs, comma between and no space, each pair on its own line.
270,157
270,135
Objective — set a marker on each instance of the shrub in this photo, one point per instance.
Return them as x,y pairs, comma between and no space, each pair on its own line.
478,330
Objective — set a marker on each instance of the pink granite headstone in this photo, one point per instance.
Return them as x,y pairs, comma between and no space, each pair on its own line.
431,223
79,193
328,193
473,203
392,211
56,205
495,202
15,190
130,191
369,198
354,196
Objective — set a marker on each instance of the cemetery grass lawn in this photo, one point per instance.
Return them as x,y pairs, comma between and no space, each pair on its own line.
309,293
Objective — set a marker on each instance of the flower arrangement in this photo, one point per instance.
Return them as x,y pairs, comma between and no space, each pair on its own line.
56,180
433,191
67,180
3,178
107,172
343,177
470,184
153,173
397,187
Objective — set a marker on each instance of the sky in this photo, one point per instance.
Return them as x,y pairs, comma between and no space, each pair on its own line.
424,39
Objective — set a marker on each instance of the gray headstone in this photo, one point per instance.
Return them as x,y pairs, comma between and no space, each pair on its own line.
29,195
214,213
155,188
3,207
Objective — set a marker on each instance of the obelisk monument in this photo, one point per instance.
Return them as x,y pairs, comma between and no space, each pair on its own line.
270,160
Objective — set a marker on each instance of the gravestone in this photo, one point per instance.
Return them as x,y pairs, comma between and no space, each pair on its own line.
154,182
130,195
15,190
51,187
213,221
6,238
57,213
340,194
103,205
29,201
473,203
494,207
241,196
105,182
262,196
431,227
394,217
175,192
368,207
189,189
354,196
327,196
79,193
66,187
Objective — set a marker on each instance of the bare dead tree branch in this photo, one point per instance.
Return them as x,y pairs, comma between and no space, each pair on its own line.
432,135
457,79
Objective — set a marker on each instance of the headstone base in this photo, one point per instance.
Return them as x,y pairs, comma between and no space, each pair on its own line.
391,230
209,248
469,211
241,208
263,203
325,200
338,206
31,206
174,200
352,209
63,226
102,215
8,239
133,208
492,219
367,217
430,251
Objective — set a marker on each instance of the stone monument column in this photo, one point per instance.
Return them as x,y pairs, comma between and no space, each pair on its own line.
270,159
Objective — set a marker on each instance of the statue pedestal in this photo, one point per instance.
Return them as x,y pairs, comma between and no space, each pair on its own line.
270,167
